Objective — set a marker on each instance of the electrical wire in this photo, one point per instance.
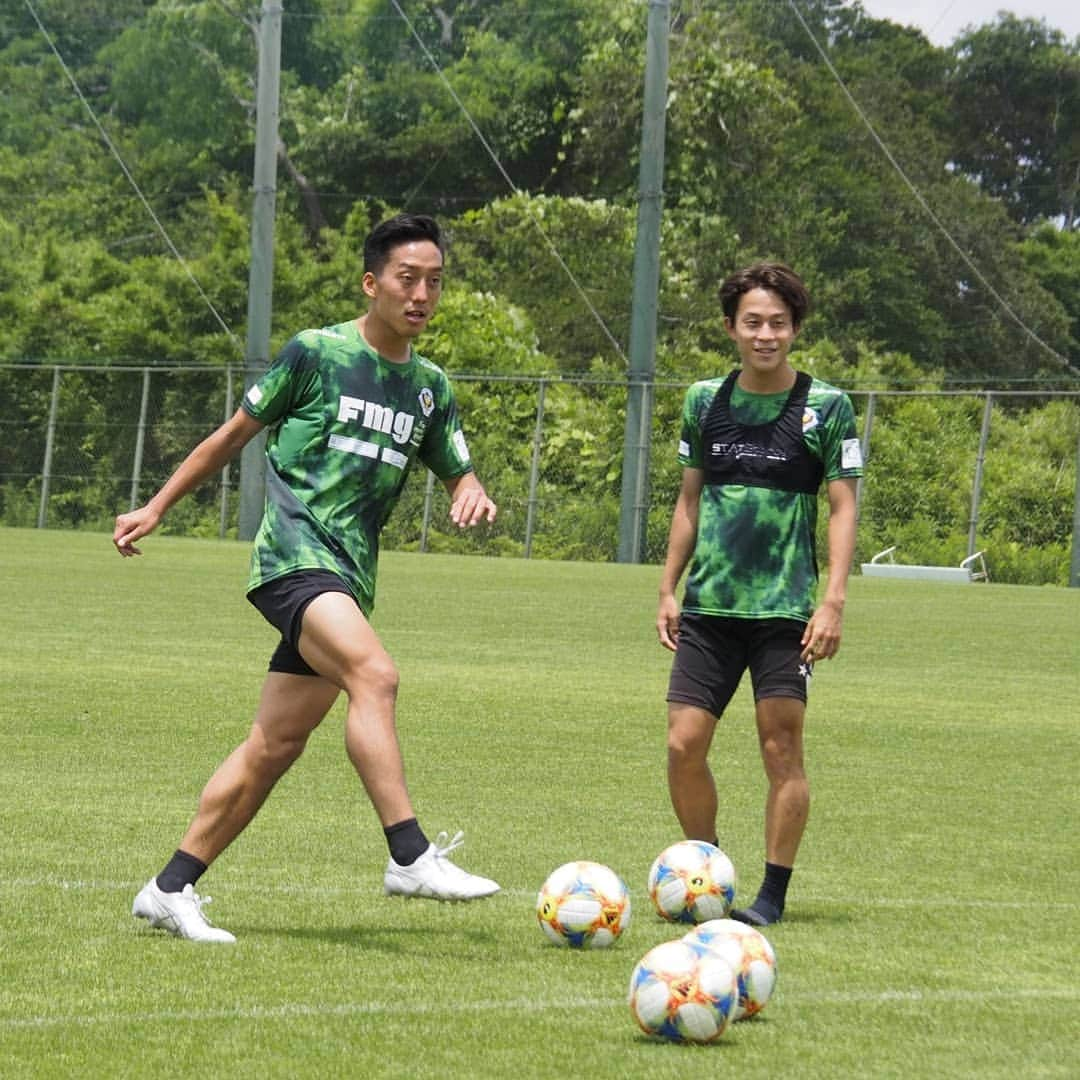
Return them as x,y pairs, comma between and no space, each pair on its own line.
131,179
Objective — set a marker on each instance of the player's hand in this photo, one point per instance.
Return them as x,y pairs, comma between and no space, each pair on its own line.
471,506
667,622
133,526
821,638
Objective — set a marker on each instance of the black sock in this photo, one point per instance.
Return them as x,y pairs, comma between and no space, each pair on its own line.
182,869
773,891
407,841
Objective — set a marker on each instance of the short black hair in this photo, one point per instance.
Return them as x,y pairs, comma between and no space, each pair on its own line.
396,231
774,276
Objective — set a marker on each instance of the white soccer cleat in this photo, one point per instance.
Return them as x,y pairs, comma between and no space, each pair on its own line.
178,912
433,875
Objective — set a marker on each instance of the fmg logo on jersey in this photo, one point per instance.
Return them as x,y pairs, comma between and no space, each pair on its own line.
375,417
372,416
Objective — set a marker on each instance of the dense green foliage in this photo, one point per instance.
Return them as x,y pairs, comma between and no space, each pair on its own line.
934,219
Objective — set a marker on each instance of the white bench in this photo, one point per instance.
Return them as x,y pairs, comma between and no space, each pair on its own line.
883,565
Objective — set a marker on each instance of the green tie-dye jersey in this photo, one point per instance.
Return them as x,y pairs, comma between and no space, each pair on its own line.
755,554
345,426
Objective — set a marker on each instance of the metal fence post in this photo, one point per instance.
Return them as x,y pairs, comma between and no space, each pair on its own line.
224,518
425,523
868,427
140,441
534,468
50,438
976,484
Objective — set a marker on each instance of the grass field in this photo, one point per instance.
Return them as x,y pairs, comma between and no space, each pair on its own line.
933,924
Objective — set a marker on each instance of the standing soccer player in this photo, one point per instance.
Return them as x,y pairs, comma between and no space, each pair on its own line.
755,448
349,409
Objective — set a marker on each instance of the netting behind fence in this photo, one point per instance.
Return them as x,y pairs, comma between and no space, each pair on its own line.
945,471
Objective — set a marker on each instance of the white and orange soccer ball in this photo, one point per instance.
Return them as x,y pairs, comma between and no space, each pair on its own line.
683,991
583,904
692,882
749,951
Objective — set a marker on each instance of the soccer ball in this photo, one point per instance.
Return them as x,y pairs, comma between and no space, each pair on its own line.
692,882
749,951
584,905
683,991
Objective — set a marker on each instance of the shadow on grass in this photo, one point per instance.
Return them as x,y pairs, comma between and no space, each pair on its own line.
674,1047
398,940
813,917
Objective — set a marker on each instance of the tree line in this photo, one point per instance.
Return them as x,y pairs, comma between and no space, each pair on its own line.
951,260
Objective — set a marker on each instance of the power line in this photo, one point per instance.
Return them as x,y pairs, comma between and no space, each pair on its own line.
131,179
925,206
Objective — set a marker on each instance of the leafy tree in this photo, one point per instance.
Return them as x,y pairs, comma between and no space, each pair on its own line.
1053,256
506,249
77,29
1015,92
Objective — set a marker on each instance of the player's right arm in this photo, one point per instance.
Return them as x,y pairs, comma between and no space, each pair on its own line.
209,457
681,540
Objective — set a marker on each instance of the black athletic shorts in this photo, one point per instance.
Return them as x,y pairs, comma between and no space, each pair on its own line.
282,602
714,651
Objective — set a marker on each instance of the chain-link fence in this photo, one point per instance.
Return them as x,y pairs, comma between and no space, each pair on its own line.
947,472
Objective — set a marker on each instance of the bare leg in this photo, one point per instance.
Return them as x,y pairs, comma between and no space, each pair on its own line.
690,781
780,735
290,708
339,642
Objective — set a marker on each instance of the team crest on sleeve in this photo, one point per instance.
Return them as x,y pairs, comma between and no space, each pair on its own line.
684,448
810,419
427,401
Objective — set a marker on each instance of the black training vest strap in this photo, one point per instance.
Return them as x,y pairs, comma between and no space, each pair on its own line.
772,455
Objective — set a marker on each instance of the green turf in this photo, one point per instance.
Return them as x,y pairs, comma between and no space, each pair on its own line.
933,920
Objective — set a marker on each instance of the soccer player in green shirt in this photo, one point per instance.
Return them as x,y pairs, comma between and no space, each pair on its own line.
348,410
755,448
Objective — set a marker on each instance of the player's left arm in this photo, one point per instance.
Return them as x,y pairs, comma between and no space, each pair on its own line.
469,502
821,638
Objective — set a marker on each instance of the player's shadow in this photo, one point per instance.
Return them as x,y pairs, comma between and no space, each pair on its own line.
814,917
395,940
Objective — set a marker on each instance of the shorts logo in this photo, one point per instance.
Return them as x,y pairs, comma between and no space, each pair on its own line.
427,401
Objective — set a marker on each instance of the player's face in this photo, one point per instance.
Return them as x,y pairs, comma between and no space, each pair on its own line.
763,332
405,292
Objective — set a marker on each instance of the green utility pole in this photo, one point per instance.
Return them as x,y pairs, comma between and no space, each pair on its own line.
261,273
634,505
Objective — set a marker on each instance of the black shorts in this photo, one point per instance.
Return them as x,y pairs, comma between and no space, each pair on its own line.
714,651
282,602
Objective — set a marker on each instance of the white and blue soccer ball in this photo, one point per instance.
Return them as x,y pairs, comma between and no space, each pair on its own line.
692,882
749,951
583,904
683,991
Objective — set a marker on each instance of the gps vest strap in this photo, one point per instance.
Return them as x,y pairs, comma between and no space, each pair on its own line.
772,455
